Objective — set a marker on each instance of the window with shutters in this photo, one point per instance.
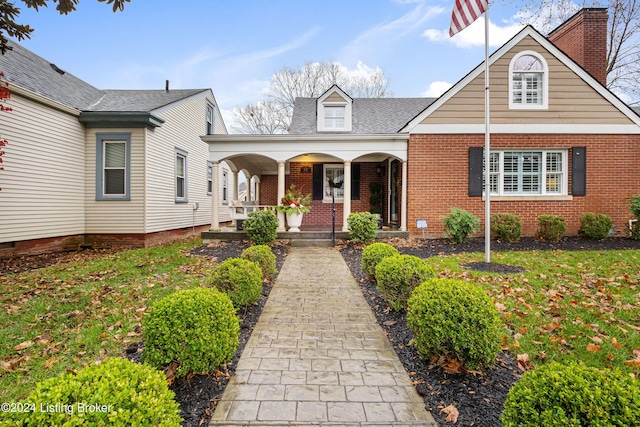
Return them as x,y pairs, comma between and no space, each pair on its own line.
113,160
333,182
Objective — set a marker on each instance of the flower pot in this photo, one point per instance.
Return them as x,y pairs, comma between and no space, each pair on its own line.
294,221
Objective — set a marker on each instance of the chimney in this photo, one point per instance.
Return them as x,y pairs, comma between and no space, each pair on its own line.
583,37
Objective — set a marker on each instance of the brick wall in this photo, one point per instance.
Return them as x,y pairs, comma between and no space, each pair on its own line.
438,177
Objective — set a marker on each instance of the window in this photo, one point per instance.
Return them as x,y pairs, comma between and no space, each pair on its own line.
334,117
181,176
528,81
225,187
209,179
210,119
528,173
333,182
113,152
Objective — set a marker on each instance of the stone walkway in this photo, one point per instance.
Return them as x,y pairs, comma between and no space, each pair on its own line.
318,357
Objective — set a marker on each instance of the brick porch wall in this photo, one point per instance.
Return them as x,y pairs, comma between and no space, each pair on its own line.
438,177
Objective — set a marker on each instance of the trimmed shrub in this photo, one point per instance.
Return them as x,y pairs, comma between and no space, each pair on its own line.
373,254
261,227
572,395
128,394
459,225
449,316
398,275
507,227
196,328
634,206
363,227
635,230
550,228
263,257
240,279
595,227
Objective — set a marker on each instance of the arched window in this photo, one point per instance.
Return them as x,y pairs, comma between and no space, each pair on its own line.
528,81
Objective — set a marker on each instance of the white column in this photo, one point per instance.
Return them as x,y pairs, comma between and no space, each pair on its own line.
234,193
346,204
403,211
258,193
215,196
281,226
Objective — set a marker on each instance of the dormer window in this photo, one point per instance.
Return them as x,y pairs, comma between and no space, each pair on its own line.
528,81
334,116
334,111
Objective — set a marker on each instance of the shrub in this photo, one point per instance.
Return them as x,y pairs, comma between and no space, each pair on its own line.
595,227
196,328
635,230
505,226
459,225
551,228
449,316
261,227
398,275
634,206
129,394
263,257
572,395
363,227
373,254
240,279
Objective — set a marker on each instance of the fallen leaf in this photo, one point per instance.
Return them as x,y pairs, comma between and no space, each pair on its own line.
597,340
452,413
48,364
522,361
23,345
593,348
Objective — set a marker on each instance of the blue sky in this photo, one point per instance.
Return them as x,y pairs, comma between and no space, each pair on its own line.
234,46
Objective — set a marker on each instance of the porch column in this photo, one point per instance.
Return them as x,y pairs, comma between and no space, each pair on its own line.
234,193
403,212
257,195
346,204
280,195
215,196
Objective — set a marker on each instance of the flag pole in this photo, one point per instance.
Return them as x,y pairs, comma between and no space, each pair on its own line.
487,144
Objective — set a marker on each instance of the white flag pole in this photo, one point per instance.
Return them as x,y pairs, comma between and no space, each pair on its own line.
487,144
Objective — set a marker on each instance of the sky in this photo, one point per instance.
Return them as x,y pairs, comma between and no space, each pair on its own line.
235,46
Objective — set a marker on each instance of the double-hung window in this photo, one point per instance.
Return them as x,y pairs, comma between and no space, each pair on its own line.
225,187
181,175
209,178
334,117
528,81
210,119
113,164
523,173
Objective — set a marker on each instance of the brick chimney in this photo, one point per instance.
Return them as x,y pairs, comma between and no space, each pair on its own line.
583,37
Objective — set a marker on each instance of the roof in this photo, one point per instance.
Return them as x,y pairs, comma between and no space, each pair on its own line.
370,115
29,71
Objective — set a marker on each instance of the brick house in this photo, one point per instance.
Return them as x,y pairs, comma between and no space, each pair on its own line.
561,142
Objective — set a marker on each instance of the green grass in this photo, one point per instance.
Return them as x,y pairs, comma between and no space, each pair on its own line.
70,315
566,306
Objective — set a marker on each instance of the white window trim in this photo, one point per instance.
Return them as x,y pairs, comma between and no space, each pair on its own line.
501,195
102,139
209,178
545,83
210,119
225,188
183,154
325,198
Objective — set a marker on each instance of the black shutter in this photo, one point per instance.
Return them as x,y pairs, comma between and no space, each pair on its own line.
317,181
475,171
579,171
355,181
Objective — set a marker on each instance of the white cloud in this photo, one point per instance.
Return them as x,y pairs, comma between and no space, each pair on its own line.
436,89
473,35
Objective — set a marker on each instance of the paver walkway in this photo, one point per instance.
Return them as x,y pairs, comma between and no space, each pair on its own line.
318,357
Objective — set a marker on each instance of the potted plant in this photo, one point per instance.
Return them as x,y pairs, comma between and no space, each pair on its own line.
294,204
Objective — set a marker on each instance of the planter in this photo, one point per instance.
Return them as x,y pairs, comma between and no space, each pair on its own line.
294,221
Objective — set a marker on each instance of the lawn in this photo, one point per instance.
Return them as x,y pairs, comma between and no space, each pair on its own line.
64,317
566,306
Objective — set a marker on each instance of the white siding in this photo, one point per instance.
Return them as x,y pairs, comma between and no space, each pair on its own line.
116,216
43,181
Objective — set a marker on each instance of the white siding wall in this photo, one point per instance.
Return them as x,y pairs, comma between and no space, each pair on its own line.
43,181
116,216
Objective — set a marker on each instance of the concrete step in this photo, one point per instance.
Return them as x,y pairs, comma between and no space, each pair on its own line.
312,243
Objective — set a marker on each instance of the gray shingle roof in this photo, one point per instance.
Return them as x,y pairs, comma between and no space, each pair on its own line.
370,115
29,71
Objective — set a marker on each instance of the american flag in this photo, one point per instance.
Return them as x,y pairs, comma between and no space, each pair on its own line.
464,13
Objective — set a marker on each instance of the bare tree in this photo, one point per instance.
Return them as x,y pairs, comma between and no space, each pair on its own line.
309,81
623,44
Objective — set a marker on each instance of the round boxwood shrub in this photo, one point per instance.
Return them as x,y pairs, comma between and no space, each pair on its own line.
398,275
595,227
196,328
261,227
505,226
551,228
373,254
460,224
450,316
123,394
572,395
263,257
240,279
363,227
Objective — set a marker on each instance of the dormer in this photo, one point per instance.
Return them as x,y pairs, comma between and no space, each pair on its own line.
334,111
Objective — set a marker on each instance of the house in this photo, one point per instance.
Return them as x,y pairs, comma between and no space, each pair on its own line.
86,166
561,142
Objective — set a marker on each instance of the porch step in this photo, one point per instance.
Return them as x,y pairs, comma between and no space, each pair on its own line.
313,243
